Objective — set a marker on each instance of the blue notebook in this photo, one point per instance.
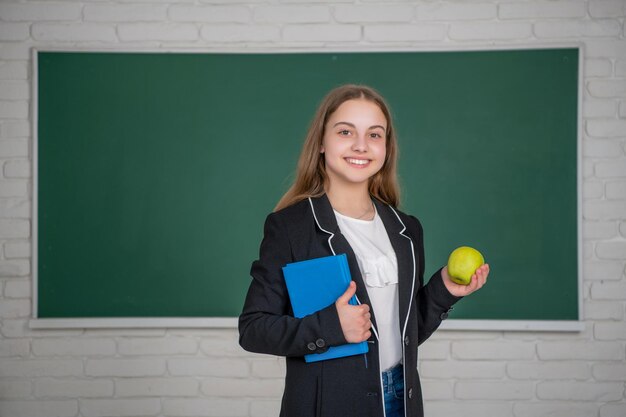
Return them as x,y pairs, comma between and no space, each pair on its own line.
315,284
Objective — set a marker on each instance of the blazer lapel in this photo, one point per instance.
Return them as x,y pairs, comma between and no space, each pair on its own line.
407,264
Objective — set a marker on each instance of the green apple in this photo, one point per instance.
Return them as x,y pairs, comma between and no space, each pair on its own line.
463,263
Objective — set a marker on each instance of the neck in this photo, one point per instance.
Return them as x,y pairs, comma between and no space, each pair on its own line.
351,201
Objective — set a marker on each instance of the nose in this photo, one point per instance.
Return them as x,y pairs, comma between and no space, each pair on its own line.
360,143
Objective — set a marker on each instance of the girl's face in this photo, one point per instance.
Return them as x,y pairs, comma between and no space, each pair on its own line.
354,142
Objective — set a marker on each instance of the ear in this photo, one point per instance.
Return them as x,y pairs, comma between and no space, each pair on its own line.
322,149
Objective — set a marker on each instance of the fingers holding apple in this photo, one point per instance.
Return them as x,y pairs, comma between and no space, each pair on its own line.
478,279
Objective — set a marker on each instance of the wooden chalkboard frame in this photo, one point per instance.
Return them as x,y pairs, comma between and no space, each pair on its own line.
218,322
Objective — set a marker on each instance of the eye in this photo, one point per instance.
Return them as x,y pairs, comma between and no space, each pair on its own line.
375,135
344,132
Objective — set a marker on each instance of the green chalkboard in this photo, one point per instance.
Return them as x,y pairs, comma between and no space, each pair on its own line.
155,171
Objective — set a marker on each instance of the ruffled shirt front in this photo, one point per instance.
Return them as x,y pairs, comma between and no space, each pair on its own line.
379,268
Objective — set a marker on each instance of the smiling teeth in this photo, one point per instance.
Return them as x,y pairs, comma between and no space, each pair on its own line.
357,161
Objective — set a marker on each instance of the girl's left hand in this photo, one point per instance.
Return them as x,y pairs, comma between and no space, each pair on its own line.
478,280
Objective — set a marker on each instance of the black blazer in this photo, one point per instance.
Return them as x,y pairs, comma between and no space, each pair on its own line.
348,386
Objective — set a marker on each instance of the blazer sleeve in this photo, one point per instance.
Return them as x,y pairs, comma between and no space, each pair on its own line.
266,324
434,301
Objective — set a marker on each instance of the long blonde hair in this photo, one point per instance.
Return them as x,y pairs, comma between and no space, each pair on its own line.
311,173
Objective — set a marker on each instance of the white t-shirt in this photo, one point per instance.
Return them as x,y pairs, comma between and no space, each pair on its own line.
379,268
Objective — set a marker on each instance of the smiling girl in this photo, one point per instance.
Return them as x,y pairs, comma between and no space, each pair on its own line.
344,200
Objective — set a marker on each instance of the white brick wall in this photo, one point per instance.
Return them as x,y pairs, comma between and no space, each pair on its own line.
181,372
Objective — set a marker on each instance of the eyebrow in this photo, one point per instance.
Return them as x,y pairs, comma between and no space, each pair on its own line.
353,126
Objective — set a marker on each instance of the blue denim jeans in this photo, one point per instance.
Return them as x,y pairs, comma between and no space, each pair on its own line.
393,390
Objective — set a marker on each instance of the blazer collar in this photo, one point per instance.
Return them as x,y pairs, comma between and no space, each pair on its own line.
326,220
325,216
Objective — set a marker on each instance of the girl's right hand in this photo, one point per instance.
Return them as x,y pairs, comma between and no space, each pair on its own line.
355,320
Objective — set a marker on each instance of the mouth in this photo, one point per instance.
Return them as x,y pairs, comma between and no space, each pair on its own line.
357,162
